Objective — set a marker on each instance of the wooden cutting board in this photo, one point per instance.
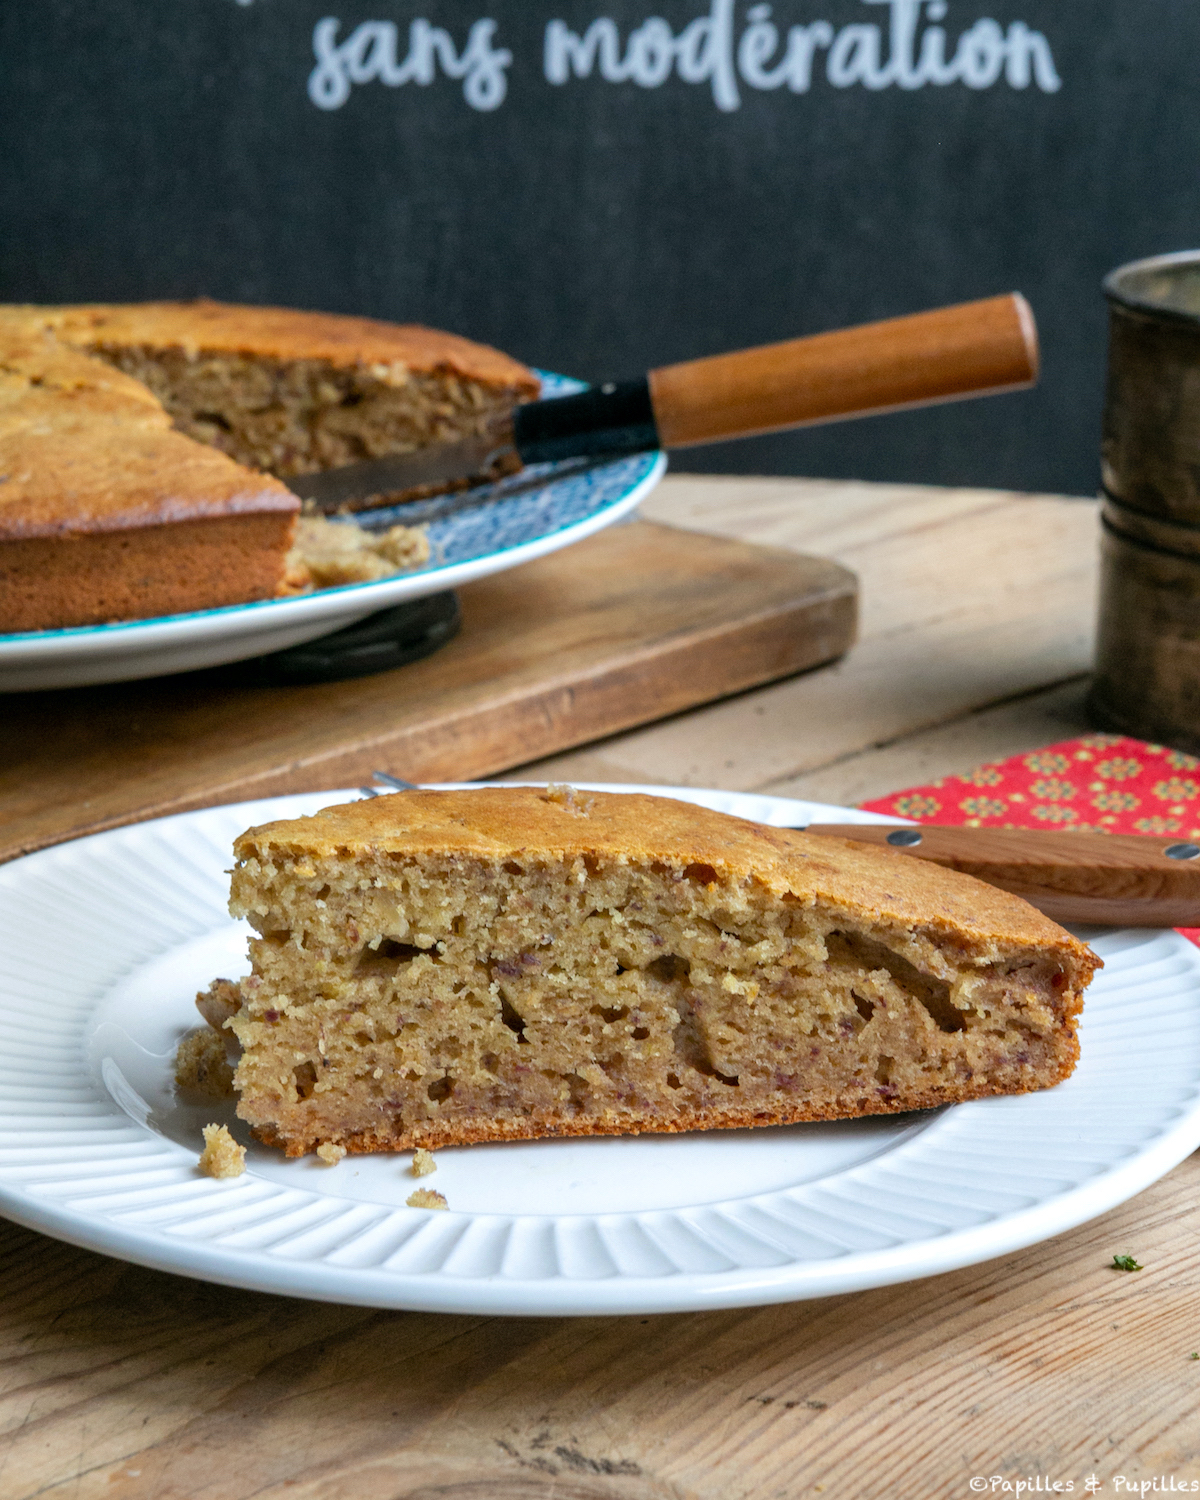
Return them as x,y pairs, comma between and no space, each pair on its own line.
632,625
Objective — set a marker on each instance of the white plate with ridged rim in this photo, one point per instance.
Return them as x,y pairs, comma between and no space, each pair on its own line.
104,942
541,509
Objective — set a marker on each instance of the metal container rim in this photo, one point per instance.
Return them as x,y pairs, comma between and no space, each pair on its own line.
1130,301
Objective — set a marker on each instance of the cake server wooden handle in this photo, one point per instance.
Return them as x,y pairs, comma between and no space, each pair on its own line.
943,355
1126,880
970,349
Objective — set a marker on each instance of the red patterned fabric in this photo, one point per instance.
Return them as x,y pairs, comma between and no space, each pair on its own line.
1102,783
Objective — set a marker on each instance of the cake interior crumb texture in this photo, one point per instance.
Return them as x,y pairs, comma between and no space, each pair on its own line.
295,416
326,554
292,392
220,1002
445,967
222,1156
201,1064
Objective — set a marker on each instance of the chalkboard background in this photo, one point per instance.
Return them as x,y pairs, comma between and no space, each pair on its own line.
170,148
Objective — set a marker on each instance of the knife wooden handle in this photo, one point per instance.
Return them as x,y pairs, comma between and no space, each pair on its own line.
1125,880
969,349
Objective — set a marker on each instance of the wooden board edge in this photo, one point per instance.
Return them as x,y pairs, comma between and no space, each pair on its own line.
554,717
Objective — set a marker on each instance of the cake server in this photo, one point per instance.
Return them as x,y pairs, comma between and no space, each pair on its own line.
971,349
1106,879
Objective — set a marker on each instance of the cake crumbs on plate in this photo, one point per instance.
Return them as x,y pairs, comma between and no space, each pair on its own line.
222,1156
331,1153
327,554
423,1163
426,1198
202,1066
220,1002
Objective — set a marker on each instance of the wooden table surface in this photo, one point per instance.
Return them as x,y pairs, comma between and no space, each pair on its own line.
1043,1367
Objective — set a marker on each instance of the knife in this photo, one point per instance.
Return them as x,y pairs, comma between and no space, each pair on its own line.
1106,879
972,349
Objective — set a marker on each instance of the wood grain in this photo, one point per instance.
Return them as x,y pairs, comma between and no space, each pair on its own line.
128,1384
970,600
1119,879
637,623
971,349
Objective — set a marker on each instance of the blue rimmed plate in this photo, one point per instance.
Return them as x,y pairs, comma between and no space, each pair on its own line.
545,507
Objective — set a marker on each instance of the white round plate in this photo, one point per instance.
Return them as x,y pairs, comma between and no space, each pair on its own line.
104,942
543,508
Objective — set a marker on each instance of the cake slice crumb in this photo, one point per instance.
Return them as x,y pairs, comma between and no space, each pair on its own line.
426,1198
423,1163
567,797
331,1153
219,1002
202,1066
222,1156
326,553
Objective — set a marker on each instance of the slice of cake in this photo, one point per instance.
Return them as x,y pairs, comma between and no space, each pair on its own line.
436,968
108,513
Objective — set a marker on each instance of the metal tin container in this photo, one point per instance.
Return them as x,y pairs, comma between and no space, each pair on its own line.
1148,653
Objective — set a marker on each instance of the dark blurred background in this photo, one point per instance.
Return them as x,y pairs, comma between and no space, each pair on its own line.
170,148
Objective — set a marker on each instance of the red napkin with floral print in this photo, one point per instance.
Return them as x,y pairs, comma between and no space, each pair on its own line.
1102,783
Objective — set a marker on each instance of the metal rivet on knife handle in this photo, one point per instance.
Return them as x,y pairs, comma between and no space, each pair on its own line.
1182,851
904,838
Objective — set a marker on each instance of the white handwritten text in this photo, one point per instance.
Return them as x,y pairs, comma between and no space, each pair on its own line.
370,52
915,52
911,50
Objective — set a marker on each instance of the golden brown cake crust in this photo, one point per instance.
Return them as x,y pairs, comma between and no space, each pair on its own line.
40,378
89,578
280,333
73,476
499,821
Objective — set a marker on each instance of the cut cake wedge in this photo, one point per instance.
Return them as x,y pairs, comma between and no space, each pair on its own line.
142,447
435,968
108,513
